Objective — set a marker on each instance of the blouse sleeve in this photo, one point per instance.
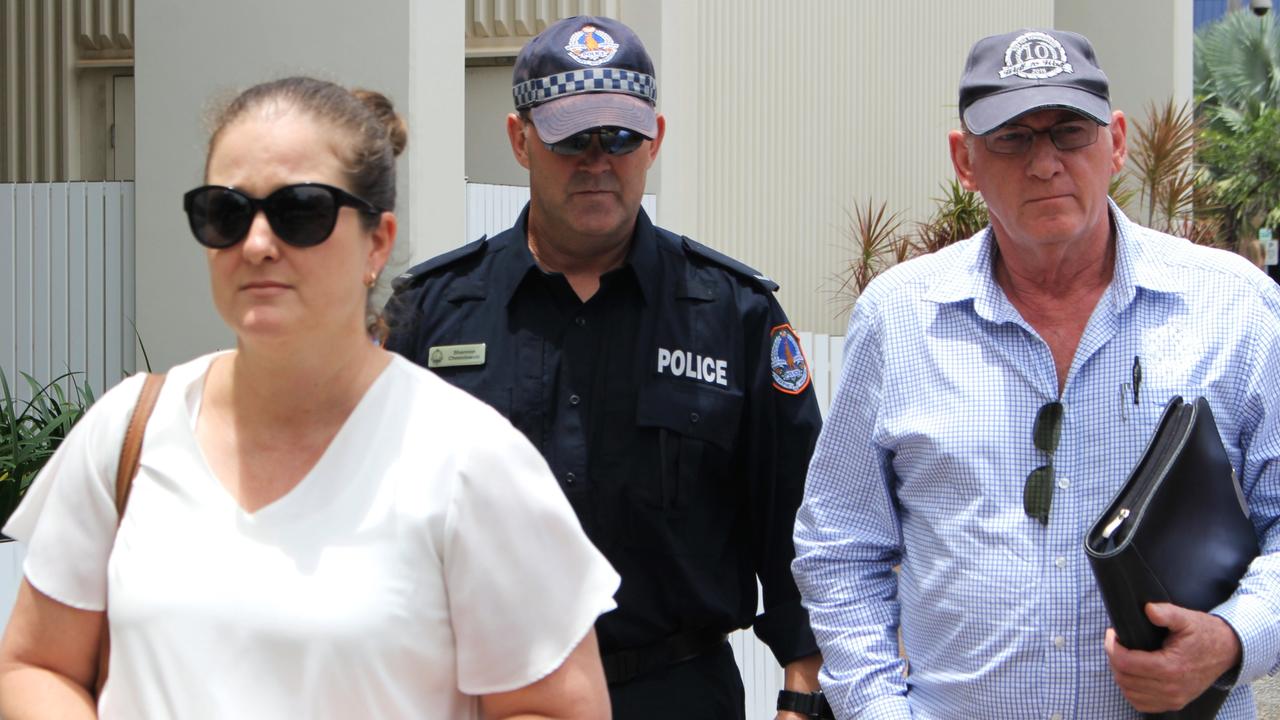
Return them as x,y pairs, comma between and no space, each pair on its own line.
68,516
525,585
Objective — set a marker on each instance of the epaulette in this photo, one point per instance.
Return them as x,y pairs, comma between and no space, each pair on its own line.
729,263
417,273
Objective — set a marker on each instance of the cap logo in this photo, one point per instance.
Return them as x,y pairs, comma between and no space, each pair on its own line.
1035,56
591,46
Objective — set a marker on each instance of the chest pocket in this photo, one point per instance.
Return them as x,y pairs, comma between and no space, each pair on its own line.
1146,415
694,432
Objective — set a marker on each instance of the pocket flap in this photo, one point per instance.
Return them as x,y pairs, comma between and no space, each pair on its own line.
704,413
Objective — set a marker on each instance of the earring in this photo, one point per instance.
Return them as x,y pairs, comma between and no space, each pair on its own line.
371,279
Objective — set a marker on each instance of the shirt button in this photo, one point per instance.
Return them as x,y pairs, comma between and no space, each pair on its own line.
694,417
574,399
1059,641
1055,716
570,478
580,321
1060,561
1064,483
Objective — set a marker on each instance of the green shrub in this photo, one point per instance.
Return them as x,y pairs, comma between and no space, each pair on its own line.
31,430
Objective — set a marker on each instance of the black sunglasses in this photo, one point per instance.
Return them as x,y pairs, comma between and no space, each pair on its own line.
1017,139
302,215
613,141
1037,493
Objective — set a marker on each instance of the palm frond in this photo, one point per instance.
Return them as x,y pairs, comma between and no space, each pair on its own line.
876,238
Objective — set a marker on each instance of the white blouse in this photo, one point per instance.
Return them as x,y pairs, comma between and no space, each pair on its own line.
428,557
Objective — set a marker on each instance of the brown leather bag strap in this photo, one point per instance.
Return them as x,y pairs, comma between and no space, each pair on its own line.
131,452
126,469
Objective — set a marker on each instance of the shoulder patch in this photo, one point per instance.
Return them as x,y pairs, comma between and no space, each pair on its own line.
787,363
415,274
729,263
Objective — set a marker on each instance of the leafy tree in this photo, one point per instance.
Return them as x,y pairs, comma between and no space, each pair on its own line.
1244,163
1237,69
1237,80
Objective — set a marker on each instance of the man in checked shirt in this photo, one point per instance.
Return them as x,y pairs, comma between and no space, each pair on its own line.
927,459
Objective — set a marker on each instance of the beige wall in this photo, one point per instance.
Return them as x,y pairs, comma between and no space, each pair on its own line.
781,121
781,117
188,53
437,119
489,160
1144,46
488,93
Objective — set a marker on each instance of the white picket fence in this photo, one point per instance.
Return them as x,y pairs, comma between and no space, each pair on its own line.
67,282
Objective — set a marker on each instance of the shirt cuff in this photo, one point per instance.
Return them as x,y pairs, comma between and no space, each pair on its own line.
1253,622
785,629
885,708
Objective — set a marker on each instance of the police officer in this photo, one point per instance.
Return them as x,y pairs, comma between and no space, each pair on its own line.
659,378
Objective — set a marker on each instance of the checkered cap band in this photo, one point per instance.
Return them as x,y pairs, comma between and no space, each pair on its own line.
540,90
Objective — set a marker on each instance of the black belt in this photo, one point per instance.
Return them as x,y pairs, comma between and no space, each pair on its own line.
625,665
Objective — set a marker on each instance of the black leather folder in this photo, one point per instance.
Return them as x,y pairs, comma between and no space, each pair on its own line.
1177,532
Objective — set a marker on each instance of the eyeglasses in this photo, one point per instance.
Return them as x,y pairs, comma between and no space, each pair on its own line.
302,215
1037,493
1017,139
613,141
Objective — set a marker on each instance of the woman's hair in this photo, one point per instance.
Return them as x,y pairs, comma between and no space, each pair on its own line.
372,136
375,134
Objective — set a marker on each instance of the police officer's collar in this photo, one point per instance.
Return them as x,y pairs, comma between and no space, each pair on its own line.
516,261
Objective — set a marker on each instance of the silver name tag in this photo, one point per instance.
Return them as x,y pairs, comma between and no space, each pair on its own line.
455,355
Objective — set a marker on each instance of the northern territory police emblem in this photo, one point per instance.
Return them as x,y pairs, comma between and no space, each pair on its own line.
1035,56
786,359
591,46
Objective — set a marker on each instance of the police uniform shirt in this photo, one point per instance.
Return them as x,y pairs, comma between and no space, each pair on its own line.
656,405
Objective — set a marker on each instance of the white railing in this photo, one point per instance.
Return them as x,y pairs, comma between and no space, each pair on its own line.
67,281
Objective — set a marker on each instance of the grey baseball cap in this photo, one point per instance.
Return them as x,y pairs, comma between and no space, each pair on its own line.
1010,75
585,72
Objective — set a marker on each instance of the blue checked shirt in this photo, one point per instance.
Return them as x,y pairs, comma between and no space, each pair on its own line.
923,457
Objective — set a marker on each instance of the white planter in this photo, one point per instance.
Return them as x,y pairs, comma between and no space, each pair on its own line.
11,556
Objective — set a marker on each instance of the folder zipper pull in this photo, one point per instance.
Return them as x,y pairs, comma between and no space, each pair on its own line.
1115,523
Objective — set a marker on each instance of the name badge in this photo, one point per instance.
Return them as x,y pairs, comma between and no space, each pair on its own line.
455,355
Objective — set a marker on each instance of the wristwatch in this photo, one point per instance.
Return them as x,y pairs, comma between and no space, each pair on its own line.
813,705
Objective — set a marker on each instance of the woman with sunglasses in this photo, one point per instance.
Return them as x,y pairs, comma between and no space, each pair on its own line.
318,528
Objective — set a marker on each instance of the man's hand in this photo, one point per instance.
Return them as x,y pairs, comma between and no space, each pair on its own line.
801,676
1200,649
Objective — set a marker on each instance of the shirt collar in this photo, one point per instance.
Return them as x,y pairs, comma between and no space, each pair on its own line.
514,261
1137,263
974,278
